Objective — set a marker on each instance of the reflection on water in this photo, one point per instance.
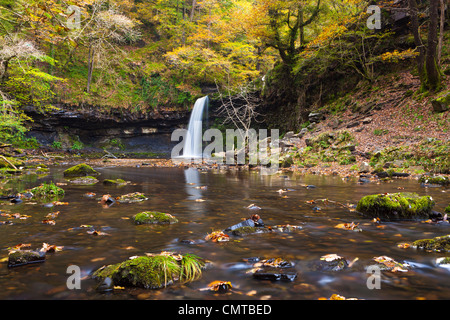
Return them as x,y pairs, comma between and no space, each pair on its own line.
206,201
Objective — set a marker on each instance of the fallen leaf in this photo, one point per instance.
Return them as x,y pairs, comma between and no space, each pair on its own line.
217,236
404,245
220,286
50,248
330,257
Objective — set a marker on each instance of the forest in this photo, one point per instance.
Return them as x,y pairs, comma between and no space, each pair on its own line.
163,54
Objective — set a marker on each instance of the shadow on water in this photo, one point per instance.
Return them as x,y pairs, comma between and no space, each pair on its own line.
206,201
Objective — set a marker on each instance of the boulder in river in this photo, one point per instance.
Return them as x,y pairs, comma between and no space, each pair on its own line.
428,181
154,217
84,181
152,271
23,257
80,170
274,269
440,244
330,262
396,206
131,197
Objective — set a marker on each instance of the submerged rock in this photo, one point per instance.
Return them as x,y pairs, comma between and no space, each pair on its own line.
274,269
116,182
243,231
152,272
80,170
396,206
330,262
154,217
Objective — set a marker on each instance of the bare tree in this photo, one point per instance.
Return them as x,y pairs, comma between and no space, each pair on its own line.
239,109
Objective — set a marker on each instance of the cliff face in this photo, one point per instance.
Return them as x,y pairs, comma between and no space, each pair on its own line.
117,130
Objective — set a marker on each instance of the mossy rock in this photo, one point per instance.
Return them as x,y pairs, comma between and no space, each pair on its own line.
4,164
114,182
48,191
244,231
447,210
152,272
85,181
436,244
23,257
326,265
80,170
396,206
131,197
438,180
154,217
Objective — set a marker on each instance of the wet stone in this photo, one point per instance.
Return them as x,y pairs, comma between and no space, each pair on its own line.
24,257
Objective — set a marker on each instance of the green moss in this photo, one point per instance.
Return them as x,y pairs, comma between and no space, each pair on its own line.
86,181
435,244
132,197
7,164
152,272
80,170
447,210
22,257
441,180
154,217
48,191
394,206
116,182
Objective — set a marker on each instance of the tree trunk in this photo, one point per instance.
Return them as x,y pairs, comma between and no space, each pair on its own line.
441,31
90,68
431,65
194,3
417,40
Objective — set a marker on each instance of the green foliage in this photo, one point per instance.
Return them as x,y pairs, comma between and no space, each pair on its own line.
77,145
396,206
154,217
48,192
154,271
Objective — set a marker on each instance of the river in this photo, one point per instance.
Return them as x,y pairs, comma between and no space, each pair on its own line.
211,200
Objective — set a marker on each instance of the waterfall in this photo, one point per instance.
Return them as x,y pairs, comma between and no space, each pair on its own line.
193,142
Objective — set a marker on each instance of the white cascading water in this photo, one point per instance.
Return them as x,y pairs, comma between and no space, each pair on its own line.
193,142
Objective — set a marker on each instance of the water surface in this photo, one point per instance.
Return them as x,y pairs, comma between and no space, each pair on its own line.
220,203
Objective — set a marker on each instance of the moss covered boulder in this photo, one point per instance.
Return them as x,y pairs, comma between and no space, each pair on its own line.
154,217
152,271
434,180
436,244
85,181
396,206
80,170
47,192
132,197
24,257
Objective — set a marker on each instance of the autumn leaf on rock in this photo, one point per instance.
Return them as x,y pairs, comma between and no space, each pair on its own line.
220,286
